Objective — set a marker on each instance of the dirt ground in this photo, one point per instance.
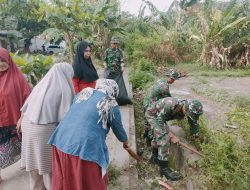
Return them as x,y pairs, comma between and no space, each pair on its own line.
214,108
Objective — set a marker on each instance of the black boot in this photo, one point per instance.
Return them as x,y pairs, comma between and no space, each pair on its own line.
154,157
167,172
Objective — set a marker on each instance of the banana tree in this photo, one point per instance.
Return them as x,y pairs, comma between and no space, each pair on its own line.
222,33
34,67
76,19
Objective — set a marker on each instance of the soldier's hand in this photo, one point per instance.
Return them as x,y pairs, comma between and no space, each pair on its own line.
182,74
173,138
197,139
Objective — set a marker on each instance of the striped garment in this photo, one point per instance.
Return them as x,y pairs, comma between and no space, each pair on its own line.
10,146
36,153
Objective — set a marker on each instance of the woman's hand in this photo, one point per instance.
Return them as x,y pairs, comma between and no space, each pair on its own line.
18,125
126,145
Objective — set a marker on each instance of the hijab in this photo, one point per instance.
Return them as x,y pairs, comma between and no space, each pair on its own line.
106,104
52,96
83,68
14,89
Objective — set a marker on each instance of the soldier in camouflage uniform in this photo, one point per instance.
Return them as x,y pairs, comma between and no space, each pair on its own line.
157,114
113,57
114,67
159,90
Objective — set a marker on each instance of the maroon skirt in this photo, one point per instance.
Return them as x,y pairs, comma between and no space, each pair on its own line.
71,173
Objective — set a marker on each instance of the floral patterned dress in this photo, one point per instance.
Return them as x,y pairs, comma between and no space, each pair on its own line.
10,146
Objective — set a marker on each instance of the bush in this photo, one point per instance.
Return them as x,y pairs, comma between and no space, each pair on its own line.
139,79
35,67
227,161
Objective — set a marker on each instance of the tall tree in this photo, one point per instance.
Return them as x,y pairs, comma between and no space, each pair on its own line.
78,19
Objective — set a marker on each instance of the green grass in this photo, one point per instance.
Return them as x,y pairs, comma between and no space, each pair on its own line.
195,69
113,175
222,96
227,151
227,157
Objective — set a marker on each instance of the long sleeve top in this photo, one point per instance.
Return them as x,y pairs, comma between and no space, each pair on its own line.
81,84
170,108
80,134
159,90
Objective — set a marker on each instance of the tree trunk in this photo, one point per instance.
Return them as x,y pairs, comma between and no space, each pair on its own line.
69,43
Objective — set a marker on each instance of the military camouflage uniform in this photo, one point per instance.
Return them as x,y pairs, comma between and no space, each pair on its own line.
163,110
114,59
159,90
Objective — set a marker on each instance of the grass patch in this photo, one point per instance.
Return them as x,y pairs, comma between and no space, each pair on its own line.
223,96
227,160
113,175
204,130
213,94
195,69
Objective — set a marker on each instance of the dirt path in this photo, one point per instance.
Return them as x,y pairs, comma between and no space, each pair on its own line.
214,108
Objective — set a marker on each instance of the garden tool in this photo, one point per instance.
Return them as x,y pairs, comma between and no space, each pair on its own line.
175,140
132,153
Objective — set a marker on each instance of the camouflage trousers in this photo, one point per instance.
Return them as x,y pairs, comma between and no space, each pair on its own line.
158,132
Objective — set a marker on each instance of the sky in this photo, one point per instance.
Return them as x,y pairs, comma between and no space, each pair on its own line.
133,6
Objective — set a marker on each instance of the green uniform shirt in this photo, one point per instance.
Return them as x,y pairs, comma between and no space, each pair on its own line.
113,58
170,108
159,90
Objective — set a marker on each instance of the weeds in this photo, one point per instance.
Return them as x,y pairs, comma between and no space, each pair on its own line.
113,175
227,161
195,69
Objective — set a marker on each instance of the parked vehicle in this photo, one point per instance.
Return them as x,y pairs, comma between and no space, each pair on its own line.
51,49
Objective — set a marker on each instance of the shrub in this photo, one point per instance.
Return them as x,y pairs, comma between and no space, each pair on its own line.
227,161
34,67
139,79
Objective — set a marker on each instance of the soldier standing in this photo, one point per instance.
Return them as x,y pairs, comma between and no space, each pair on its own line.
113,60
157,114
114,67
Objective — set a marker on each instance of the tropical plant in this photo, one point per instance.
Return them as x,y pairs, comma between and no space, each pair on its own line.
78,20
34,67
225,35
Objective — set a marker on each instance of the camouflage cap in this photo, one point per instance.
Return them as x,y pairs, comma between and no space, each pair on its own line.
172,74
193,109
115,40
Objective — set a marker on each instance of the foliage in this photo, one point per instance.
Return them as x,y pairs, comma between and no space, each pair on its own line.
226,37
16,15
113,175
79,19
227,160
141,74
195,69
35,67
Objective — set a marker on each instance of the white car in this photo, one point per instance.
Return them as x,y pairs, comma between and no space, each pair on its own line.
51,49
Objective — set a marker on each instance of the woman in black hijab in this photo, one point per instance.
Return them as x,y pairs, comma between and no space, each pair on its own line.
85,74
